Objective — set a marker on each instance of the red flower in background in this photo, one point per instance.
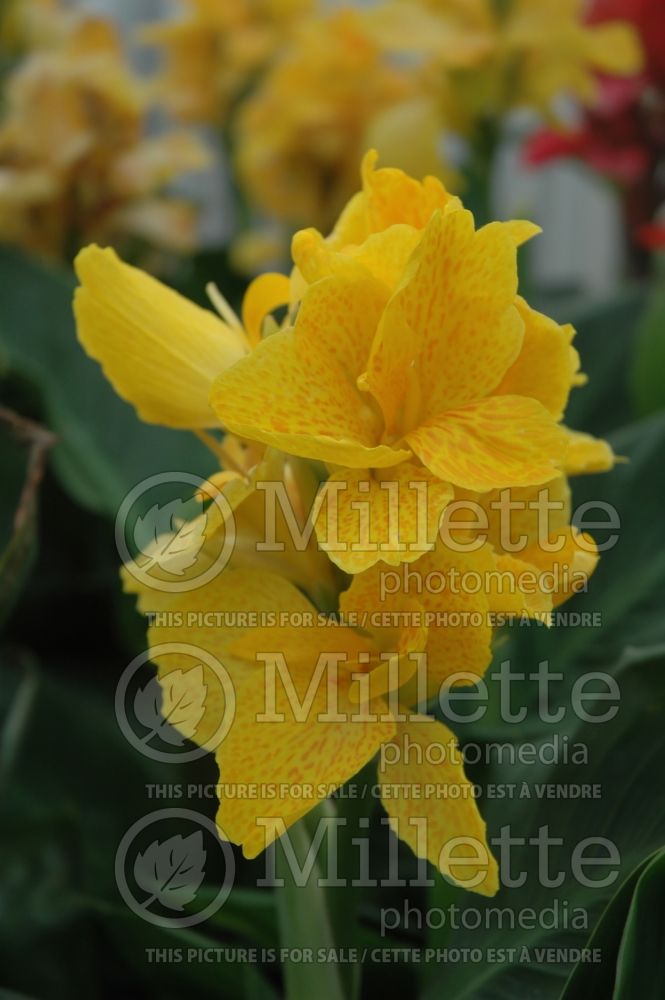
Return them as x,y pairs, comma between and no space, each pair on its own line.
623,136
652,236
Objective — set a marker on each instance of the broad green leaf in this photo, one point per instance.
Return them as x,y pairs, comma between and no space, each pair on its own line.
641,956
626,758
641,965
103,449
648,373
606,340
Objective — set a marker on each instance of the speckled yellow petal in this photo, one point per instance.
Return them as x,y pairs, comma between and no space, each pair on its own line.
364,517
391,196
298,389
501,441
516,589
267,292
160,352
306,748
547,366
451,330
451,588
388,197
588,454
310,410
522,516
439,818
296,759
570,567
385,254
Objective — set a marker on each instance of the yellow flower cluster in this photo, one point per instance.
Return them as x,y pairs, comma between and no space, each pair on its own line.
302,91
408,400
75,163
212,50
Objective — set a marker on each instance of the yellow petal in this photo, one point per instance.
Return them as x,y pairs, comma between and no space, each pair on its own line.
267,292
452,326
501,441
569,567
547,366
391,516
298,389
391,197
451,588
159,351
588,454
439,818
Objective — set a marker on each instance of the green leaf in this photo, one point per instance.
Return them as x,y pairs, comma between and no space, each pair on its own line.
648,374
103,448
626,759
641,965
641,962
305,919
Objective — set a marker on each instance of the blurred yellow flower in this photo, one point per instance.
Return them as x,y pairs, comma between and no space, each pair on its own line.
300,134
523,53
212,50
74,162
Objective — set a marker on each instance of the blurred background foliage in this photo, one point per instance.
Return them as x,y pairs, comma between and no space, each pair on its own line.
275,101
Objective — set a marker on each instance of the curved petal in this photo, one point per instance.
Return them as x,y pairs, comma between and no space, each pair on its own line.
267,292
159,351
588,454
439,818
501,441
451,328
547,366
298,389
392,516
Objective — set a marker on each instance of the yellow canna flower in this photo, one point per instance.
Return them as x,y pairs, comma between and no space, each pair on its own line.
407,358
74,164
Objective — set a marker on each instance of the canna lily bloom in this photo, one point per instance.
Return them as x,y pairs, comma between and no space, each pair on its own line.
412,358
74,164
335,707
